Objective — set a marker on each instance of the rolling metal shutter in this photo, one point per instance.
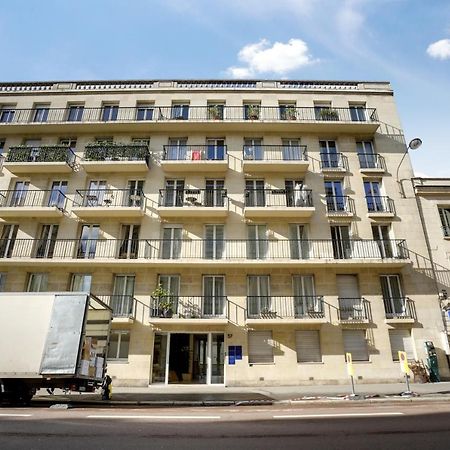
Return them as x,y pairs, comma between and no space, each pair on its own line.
260,349
356,344
308,346
401,340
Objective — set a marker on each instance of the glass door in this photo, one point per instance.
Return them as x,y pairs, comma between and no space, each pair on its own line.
177,149
214,295
340,236
135,192
259,300
58,194
160,359
123,294
257,242
217,358
214,241
214,193
329,154
96,193
7,240
47,241
19,194
254,193
88,241
305,300
174,193
129,244
374,200
171,245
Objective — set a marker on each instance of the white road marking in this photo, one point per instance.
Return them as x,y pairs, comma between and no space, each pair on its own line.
105,416
318,416
15,415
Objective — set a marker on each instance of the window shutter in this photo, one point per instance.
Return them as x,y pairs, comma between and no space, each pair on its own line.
308,346
356,344
401,341
260,349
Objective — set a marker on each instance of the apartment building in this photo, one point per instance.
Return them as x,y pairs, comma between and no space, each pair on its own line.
243,232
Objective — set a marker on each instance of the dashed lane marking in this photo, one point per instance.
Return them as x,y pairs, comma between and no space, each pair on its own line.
110,416
318,416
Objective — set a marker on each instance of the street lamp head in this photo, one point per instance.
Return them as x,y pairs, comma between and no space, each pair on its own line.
415,143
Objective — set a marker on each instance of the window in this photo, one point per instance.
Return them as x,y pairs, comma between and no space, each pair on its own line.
144,111
109,112
177,150
288,111
58,194
252,111
215,149
215,193
87,243
401,341
215,111
123,294
19,194
374,199
171,284
253,150
213,295
41,113
257,241
355,342
214,241
395,304
299,245
307,344
444,214
96,193
34,146
129,244
119,345
75,113
381,235
260,347
174,193
47,241
367,158
2,146
7,114
358,113
292,150
329,155
81,282
7,240
69,142
141,141
37,282
2,281
180,111
306,303
258,299
296,195
340,236
334,195
135,193
324,111
254,193
171,245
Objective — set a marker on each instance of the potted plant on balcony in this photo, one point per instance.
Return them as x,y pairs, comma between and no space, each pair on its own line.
253,112
289,113
163,302
215,112
328,114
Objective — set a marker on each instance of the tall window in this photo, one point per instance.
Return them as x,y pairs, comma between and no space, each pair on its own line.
81,282
96,193
257,241
109,112
214,241
144,111
171,284
306,303
7,240
258,299
47,241
253,149
174,193
358,113
75,113
394,303
340,236
7,114
58,194
444,214
119,345
123,294
215,149
254,193
171,244
129,242
381,235
2,281
213,295
87,244
177,150
135,192
41,113
329,154
374,198
334,195
299,245
366,155
180,111
19,195
292,150
37,282
215,193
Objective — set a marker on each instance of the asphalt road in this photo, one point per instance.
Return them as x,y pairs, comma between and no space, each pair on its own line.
424,426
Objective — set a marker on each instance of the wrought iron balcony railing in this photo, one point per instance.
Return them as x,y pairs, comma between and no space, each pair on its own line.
353,309
275,153
340,204
378,204
94,198
193,197
104,151
195,152
333,161
41,153
371,161
123,306
206,249
285,307
115,113
189,307
399,308
290,198
33,198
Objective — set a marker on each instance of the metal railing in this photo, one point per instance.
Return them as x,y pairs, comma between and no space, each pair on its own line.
188,113
285,307
116,152
33,198
377,204
193,197
290,198
399,308
94,198
123,306
340,204
333,161
208,249
41,153
371,161
275,153
189,307
195,152
353,309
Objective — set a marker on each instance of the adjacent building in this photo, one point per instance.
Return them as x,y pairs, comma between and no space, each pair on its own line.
243,232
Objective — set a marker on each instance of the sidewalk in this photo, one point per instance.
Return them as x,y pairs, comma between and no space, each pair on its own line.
201,395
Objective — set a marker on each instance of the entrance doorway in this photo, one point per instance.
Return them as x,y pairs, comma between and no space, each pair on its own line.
188,358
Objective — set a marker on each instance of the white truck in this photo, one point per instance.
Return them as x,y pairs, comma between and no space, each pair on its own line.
51,340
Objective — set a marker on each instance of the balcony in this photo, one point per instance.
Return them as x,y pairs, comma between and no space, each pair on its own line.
207,252
399,310
284,309
300,119
195,158
109,203
353,310
193,203
340,206
371,163
278,203
32,203
275,158
193,309
41,159
123,306
106,157
380,207
333,162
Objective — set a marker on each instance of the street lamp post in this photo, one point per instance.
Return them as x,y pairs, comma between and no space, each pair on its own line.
414,144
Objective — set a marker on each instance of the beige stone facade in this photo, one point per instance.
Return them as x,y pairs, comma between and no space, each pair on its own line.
269,212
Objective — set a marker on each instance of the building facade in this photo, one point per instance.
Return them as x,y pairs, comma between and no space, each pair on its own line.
243,232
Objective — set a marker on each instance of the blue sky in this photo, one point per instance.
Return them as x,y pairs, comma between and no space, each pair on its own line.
406,42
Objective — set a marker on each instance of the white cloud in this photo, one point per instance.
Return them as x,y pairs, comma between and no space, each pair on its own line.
279,59
439,49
